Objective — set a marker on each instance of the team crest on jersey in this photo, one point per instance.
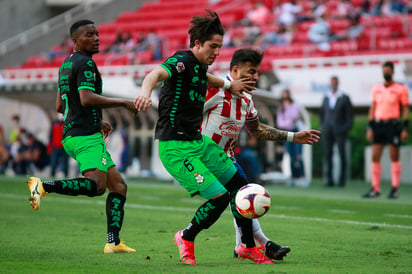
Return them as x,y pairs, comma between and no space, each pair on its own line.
180,67
199,178
104,161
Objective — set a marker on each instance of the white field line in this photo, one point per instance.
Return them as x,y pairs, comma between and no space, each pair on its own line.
340,211
399,216
184,209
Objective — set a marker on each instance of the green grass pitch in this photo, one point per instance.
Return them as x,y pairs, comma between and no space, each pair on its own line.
328,230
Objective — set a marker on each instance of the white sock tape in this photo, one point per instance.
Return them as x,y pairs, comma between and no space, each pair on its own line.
226,84
290,136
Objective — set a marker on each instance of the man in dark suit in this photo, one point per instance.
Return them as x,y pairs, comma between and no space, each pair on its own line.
336,119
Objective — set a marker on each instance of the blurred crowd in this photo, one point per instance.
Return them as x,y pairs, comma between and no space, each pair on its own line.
268,22
149,43
23,153
145,47
275,22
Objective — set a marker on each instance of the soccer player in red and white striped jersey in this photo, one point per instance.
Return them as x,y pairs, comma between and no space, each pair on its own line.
224,116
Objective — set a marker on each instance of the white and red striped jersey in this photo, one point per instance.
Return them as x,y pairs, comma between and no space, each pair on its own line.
224,115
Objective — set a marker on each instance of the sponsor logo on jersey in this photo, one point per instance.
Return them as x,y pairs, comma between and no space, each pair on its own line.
230,129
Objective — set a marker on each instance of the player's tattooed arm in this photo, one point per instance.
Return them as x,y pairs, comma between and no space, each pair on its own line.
265,132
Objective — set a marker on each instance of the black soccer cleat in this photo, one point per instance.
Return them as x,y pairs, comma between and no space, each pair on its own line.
276,252
371,194
394,193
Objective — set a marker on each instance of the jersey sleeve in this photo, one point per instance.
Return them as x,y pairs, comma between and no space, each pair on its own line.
86,75
211,99
404,96
175,64
252,113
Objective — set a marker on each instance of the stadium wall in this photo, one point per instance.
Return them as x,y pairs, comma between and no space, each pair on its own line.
17,16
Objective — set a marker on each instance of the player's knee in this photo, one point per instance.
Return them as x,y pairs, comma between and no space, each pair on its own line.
236,182
100,187
100,190
221,201
119,187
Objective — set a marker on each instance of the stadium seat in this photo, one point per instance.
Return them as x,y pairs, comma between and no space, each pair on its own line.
143,57
36,61
170,20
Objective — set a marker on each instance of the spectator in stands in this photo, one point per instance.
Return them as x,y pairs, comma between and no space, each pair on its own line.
398,6
365,7
344,9
408,7
152,43
320,33
288,13
252,34
320,8
65,47
382,7
355,30
116,41
282,36
58,157
123,43
259,15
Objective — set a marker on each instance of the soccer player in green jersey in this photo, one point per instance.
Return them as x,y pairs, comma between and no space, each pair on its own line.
194,160
80,100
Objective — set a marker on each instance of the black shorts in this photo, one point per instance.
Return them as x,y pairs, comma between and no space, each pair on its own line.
387,132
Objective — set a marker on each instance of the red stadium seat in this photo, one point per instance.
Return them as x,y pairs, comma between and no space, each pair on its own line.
143,57
170,20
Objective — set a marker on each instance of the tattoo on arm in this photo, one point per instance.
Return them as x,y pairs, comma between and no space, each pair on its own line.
265,132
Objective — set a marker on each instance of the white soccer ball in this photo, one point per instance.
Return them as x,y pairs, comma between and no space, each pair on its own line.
252,201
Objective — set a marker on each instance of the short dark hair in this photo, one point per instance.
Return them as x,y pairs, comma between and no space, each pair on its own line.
78,24
246,55
334,77
203,27
388,64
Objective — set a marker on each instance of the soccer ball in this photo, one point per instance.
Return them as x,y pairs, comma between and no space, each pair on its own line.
252,201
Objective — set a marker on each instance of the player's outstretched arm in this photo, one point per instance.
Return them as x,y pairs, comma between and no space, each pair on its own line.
143,100
306,137
265,132
89,98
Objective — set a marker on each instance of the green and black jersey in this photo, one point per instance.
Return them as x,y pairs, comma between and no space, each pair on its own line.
182,97
78,72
